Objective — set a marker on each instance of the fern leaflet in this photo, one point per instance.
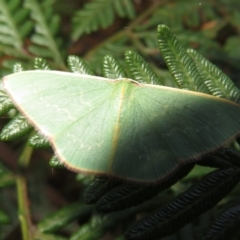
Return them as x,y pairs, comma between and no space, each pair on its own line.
179,63
78,65
46,26
140,69
218,83
100,14
112,69
13,27
41,64
15,129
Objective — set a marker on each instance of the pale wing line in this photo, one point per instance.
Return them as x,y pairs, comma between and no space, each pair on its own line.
62,158
37,126
82,116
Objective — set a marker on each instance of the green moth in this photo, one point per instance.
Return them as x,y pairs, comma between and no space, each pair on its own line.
122,128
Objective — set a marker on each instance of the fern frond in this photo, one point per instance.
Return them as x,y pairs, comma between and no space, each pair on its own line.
98,187
17,67
14,26
38,141
16,128
129,195
118,198
124,8
117,50
149,40
224,158
94,229
93,16
78,65
186,206
5,102
231,156
179,62
41,64
98,226
112,68
140,69
47,24
55,162
218,83
62,217
100,14
225,225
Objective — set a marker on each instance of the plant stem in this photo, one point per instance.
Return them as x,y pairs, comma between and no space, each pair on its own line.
24,214
25,156
23,208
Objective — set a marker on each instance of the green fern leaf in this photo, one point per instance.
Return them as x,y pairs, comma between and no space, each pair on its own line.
129,195
185,207
112,69
116,48
14,26
98,187
41,64
100,14
124,8
95,229
40,51
17,67
55,162
225,225
78,65
5,103
231,156
93,15
16,128
140,69
62,217
179,62
218,83
46,26
98,226
38,141
225,158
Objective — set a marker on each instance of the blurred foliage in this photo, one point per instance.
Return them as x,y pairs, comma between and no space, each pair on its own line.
54,29
99,31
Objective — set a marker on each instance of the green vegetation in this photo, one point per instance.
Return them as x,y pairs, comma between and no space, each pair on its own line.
121,38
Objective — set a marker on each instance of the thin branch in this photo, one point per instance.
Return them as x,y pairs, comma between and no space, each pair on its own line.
23,209
24,214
